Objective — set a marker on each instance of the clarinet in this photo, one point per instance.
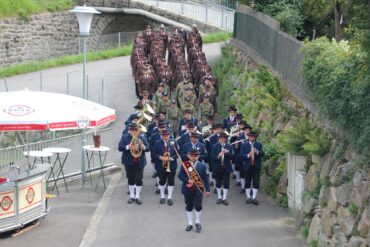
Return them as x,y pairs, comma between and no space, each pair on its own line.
253,160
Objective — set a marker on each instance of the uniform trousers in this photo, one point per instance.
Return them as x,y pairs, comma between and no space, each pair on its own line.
222,179
134,175
168,177
192,201
252,176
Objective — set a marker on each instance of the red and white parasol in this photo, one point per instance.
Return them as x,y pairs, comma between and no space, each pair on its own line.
31,110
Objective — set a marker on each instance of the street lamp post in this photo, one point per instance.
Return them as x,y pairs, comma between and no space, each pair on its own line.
84,17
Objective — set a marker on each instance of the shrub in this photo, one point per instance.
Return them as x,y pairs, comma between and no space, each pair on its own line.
305,231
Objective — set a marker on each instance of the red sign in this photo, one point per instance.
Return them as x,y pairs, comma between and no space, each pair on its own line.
30,195
6,203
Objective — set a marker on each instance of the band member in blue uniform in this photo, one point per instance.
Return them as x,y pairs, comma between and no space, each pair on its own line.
242,138
185,137
134,166
195,185
222,155
194,144
166,165
187,117
210,141
231,119
251,153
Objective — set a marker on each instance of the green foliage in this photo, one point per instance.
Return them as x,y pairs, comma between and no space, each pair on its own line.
305,231
317,142
24,8
339,79
325,183
283,201
353,209
216,37
313,243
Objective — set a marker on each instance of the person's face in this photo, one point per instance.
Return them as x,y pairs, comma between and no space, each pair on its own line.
241,126
161,117
191,130
210,122
206,100
231,113
165,137
194,139
161,88
246,131
219,130
187,115
132,132
252,138
193,158
222,140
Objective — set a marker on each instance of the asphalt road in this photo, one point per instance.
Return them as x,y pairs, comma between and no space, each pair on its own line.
150,224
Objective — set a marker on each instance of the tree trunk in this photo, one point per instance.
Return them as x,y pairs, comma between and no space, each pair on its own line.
338,27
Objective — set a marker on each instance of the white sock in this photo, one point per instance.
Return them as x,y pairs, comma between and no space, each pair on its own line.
157,179
170,191
137,192
225,193
237,174
190,217
242,183
233,166
197,216
161,189
132,191
248,193
210,176
218,193
254,191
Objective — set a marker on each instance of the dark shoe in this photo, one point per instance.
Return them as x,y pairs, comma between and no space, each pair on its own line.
166,190
162,201
198,227
211,183
225,202
131,200
242,191
138,201
154,175
128,192
238,184
219,201
169,202
255,202
233,176
156,184
249,201
157,191
189,228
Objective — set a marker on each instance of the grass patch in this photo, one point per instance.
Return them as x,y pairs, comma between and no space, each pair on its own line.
25,8
216,37
353,209
305,231
65,60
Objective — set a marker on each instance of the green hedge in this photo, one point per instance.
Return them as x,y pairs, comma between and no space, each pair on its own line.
339,79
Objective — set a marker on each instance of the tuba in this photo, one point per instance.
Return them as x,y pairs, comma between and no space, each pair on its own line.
137,151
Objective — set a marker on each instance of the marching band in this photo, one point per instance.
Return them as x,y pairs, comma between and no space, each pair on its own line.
176,121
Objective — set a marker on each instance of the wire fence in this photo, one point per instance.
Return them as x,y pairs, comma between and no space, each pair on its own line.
278,49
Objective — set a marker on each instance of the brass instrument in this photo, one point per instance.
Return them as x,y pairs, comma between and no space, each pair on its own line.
207,129
136,142
166,163
234,129
235,142
253,160
136,150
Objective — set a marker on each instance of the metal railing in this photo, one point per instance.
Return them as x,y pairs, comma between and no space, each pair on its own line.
14,155
210,12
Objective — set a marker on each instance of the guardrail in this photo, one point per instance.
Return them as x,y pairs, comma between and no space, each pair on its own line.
209,12
14,155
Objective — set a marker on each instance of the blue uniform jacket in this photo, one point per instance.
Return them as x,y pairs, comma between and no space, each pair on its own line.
202,171
216,149
188,146
127,158
158,150
228,123
185,138
244,151
184,121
